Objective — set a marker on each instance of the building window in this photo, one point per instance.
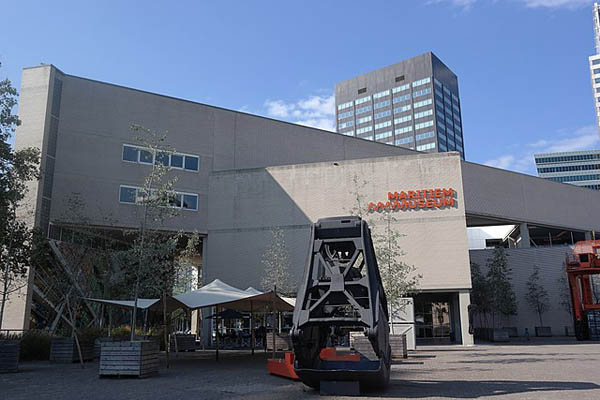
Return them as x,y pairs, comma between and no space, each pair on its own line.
363,120
363,110
423,125
402,109
381,94
345,105
176,160
362,90
191,163
381,104
596,71
442,147
402,119
362,100
427,146
345,114
364,130
421,92
345,124
399,78
401,88
127,194
383,135
421,82
383,114
348,133
401,98
425,135
130,153
136,195
405,129
404,140
596,61
383,125
422,103
146,156
423,114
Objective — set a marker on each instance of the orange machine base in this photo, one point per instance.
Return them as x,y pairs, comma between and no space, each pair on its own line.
283,367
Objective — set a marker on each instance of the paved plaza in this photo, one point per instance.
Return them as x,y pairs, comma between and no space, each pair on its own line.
517,371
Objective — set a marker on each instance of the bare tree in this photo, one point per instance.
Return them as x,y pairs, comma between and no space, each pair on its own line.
276,262
537,296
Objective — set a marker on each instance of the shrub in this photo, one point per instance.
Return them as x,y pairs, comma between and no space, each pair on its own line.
35,345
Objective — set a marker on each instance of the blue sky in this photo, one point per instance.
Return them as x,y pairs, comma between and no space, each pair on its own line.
522,64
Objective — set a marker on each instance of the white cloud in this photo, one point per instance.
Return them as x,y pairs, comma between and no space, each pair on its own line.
553,4
584,138
315,111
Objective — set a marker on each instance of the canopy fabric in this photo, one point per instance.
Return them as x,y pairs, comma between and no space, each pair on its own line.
228,314
143,304
215,293
253,291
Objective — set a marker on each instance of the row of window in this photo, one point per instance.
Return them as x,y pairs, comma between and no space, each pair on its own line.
346,114
137,195
362,100
421,82
596,71
402,109
421,92
596,61
423,125
144,155
348,133
425,135
579,157
400,88
427,146
400,99
345,105
593,187
363,120
423,114
364,130
422,103
363,110
404,140
383,135
401,120
383,125
567,168
383,114
381,94
347,124
381,104
442,147
406,129
575,178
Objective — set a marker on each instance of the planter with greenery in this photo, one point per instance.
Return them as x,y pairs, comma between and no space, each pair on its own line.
67,350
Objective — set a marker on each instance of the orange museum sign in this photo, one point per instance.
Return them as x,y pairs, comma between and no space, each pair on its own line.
416,199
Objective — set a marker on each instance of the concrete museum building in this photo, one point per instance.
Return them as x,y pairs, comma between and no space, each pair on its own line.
241,175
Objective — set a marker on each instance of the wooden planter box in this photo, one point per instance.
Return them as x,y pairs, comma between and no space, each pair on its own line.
182,343
543,331
282,341
64,350
398,345
512,331
98,344
9,355
129,359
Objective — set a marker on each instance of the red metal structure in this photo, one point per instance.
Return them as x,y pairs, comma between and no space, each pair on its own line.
581,265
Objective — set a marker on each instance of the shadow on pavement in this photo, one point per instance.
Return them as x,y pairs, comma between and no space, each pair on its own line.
474,389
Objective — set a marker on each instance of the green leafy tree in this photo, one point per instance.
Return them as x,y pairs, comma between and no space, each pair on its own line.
16,169
502,295
276,262
480,294
537,296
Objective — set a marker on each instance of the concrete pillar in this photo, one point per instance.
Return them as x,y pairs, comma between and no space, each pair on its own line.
464,299
525,240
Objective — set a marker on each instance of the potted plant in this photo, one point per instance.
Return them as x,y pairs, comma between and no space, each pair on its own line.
538,300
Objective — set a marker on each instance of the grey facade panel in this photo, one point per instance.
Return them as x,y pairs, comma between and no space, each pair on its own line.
517,197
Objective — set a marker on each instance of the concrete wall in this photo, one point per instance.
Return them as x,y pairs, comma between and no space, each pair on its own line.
245,205
521,261
510,196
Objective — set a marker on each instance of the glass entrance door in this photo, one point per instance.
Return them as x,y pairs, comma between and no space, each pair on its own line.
433,319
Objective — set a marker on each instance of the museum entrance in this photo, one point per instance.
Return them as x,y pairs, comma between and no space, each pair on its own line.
436,318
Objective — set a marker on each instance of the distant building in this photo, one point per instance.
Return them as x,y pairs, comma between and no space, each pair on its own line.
595,63
413,104
580,168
